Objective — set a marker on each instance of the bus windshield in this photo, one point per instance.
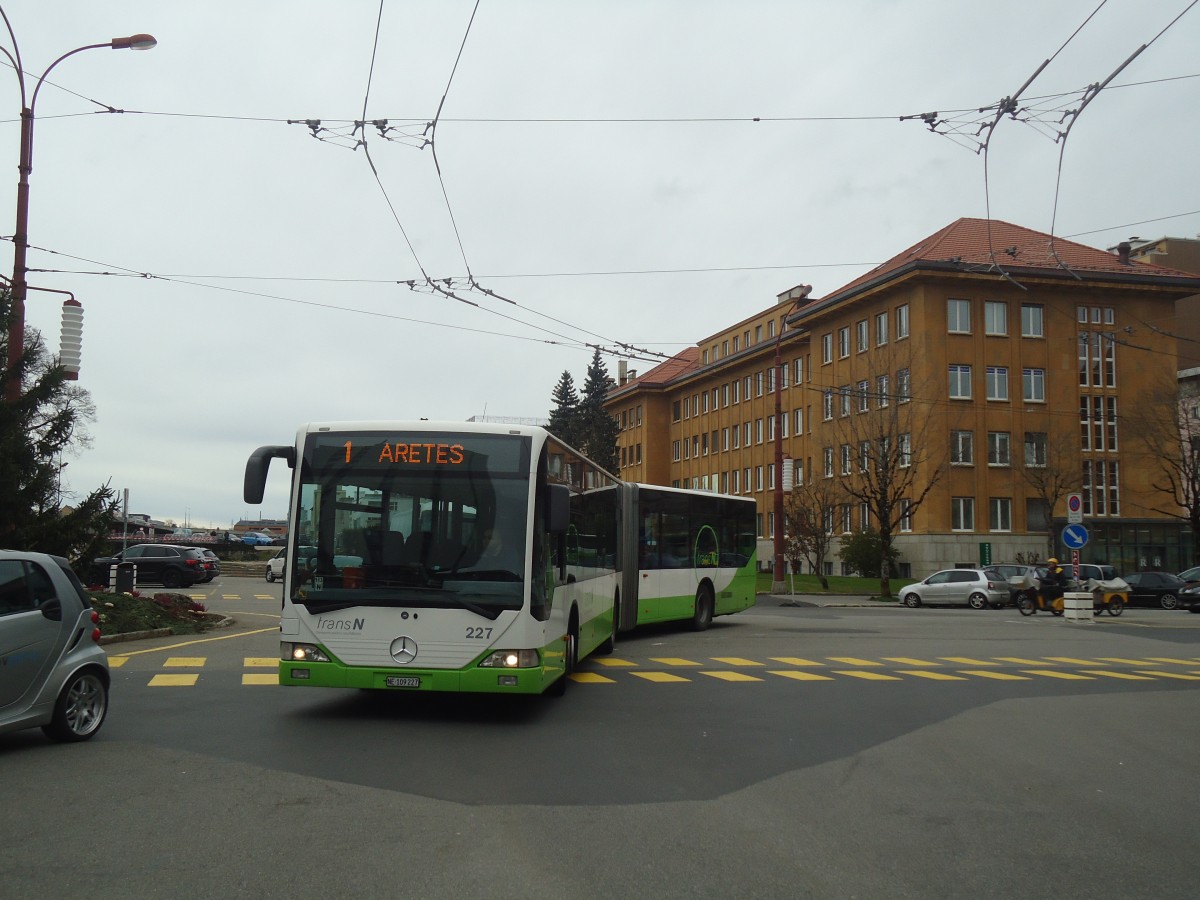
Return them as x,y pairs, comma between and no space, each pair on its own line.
411,520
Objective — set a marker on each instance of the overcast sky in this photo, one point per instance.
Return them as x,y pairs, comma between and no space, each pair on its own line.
600,159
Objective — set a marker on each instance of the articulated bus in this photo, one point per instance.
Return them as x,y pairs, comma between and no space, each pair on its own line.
476,557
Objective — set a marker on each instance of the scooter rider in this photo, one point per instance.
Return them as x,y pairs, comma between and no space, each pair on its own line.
1054,584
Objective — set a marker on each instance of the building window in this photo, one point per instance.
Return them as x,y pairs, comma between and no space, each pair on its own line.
675,407
1035,449
881,329
827,404
735,343
737,437
902,321
861,335
999,514
758,478
999,448
736,385
798,370
844,400
881,391
904,380
771,476
995,318
997,383
724,439
904,450
906,515
827,348
1033,385
845,455
843,341
675,450
1032,324
864,396
958,316
962,513
960,382
747,434
827,454
758,431
798,422
724,395
704,443
962,448
847,522
758,334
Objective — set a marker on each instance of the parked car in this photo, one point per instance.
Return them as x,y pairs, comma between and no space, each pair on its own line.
978,588
1019,578
55,676
1191,575
276,563
1189,597
168,564
212,563
255,538
1155,589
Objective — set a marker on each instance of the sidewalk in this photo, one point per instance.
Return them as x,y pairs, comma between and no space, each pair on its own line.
811,601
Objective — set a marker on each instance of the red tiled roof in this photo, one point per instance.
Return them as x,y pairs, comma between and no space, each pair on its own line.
980,245
682,363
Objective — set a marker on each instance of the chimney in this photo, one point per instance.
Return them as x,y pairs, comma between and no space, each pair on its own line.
1123,249
622,371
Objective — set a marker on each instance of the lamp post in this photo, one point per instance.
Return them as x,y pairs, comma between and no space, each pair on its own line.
796,296
16,331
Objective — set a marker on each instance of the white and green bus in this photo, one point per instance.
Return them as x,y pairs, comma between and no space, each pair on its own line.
477,557
690,555
432,556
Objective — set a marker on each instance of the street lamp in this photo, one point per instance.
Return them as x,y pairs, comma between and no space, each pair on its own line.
796,295
16,331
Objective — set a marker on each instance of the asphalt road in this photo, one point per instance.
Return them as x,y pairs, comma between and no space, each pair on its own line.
786,752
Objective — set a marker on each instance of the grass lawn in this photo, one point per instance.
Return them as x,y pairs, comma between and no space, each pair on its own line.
838,584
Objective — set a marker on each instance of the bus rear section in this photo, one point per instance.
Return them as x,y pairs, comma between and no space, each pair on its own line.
423,559
691,555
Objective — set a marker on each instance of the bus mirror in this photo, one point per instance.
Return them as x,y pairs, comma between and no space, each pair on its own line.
255,483
558,507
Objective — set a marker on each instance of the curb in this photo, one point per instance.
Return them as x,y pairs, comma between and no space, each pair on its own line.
124,637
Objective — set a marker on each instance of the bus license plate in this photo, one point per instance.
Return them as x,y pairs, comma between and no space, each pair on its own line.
405,681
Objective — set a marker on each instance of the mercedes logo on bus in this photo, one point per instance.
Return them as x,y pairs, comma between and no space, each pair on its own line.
404,650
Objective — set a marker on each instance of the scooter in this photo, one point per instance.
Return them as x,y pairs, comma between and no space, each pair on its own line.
1032,600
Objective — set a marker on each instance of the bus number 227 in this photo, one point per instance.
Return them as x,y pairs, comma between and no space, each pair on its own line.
478,634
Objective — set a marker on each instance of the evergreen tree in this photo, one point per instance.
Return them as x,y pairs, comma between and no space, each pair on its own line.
564,417
598,429
35,432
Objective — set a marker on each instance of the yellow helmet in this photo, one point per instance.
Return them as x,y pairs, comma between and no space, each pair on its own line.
1052,561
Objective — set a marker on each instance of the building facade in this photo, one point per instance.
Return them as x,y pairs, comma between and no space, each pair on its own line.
999,368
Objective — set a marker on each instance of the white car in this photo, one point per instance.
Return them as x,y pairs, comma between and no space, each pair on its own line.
276,563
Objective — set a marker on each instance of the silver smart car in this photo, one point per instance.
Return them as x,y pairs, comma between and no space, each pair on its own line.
53,672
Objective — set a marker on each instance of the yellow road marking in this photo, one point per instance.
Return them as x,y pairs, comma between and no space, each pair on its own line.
173,680
933,676
1110,674
1179,675
197,596
1065,676
870,676
1020,660
260,662
265,597
995,676
231,596
673,661
590,678
904,660
1168,659
223,637
185,662
257,678
612,663
731,676
795,661
1072,661
115,662
967,661
801,676
660,677
1128,662
735,661
853,661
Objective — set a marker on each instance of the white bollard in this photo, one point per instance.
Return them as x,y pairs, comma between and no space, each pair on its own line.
1077,606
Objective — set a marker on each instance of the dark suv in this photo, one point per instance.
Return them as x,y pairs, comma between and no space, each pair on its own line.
173,566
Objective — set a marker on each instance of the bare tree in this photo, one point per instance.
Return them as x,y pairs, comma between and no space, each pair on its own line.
1051,467
809,512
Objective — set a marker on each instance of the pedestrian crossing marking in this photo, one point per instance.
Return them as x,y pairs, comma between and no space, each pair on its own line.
967,661
995,676
590,678
870,676
1127,662
173,680
231,596
259,678
260,662
1179,675
673,661
613,663
185,662
1108,673
731,676
1168,659
1072,661
1065,676
932,676
853,661
800,676
735,661
115,662
795,661
660,677
1021,661
907,661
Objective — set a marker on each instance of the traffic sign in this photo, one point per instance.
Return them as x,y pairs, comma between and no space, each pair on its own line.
1074,508
1074,537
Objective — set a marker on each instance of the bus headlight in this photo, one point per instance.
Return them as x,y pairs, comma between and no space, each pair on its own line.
511,659
302,652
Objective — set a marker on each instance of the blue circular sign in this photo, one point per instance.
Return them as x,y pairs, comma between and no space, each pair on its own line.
1074,537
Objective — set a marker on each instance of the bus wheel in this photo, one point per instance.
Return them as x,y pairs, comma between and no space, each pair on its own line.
570,658
609,644
703,616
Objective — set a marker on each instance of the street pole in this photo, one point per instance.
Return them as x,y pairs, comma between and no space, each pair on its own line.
20,287
796,295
